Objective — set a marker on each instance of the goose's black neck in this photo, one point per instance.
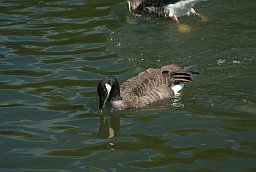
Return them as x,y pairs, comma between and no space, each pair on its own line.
108,90
115,89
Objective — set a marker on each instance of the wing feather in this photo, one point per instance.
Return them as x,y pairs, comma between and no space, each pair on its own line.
152,85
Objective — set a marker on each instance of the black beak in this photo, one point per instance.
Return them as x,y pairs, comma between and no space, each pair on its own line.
103,101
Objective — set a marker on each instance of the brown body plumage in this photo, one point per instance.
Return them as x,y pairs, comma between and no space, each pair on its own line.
147,87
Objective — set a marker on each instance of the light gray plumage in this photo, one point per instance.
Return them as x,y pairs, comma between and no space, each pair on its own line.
147,87
181,8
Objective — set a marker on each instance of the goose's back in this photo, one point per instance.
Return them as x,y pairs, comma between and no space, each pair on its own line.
148,86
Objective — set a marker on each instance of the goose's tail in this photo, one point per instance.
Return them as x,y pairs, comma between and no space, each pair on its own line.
184,75
180,78
193,69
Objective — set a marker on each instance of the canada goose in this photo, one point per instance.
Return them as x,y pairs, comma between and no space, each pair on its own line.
164,8
147,87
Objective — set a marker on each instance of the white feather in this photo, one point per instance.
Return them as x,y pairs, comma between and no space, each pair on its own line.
181,8
177,88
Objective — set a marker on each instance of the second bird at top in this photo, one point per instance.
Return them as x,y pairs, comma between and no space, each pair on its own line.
164,8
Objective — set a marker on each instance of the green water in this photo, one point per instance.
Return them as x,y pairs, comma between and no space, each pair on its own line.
53,54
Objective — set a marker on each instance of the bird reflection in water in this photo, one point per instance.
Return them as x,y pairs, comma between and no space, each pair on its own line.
109,126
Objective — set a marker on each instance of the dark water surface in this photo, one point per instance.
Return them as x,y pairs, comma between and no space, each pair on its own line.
53,53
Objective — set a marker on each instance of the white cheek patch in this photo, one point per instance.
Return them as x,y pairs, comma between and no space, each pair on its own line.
108,87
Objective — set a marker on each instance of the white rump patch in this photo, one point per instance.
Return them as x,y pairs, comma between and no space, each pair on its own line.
177,88
108,87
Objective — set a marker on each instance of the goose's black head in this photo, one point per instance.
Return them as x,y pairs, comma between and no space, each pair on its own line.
108,90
